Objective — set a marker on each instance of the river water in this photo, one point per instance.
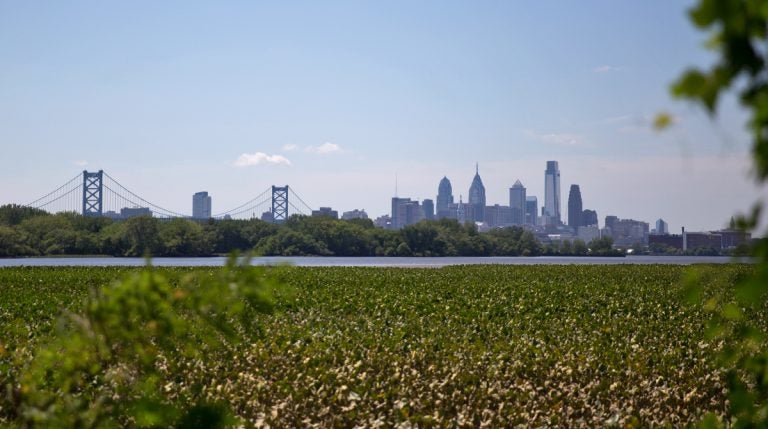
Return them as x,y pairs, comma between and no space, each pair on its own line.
327,261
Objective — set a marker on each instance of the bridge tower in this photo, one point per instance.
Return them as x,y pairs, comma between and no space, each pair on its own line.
92,193
279,204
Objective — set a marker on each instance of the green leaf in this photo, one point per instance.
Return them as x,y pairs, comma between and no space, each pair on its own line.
710,421
732,312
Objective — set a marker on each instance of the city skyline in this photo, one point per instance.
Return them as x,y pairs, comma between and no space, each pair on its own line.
337,99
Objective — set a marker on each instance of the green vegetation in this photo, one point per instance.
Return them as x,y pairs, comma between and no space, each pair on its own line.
29,232
458,346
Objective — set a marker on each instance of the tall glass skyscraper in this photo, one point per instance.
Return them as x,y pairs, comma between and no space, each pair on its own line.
517,203
201,205
444,198
575,207
552,193
531,210
477,197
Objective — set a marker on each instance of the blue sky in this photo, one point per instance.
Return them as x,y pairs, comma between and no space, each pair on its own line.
337,98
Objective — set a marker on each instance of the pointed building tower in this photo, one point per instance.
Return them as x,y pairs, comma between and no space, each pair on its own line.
444,198
477,197
461,211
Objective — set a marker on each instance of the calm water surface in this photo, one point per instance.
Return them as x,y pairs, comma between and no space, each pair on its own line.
310,261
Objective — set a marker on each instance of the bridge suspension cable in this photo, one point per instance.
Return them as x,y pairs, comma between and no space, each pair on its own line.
57,193
63,198
259,202
122,193
309,209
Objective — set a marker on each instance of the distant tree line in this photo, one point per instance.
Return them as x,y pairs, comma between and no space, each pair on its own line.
30,232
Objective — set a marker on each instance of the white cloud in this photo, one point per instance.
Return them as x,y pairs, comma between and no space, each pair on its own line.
560,139
290,147
258,158
80,163
324,149
605,69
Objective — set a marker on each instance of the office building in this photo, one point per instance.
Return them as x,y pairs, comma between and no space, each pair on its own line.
626,232
477,197
445,199
405,212
662,227
531,210
325,212
574,208
517,203
128,212
588,217
588,233
383,221
429,209
552,194
354,214
497,216
201,205
726,239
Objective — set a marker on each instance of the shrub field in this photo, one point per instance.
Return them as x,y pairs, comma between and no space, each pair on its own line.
493,346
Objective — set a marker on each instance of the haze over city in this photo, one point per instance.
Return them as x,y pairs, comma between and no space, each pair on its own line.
338,99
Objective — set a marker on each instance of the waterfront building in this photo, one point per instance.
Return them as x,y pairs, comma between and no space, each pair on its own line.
574,208
517,203
588,233
662,227
201,205
552,193
626,232
725,239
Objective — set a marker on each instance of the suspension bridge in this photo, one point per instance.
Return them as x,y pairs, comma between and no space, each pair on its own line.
99,194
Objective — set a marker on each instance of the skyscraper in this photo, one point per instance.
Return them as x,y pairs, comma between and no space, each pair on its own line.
588,217
444,198
405,212
517,203
201,205
531,210
575,208
429,209
662,227
477,197
552,193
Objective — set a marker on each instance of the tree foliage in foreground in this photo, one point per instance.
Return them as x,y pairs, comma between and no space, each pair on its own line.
738,32
111,365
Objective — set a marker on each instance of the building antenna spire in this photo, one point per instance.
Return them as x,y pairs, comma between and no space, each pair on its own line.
477,167
395,184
